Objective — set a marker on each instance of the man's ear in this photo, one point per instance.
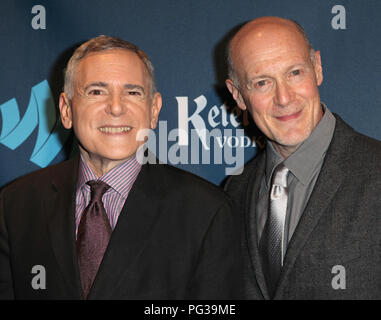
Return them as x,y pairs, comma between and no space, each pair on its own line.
155,109
236,94
65,111
318,68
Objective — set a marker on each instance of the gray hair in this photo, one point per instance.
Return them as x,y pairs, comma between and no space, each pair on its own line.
99,44
232,74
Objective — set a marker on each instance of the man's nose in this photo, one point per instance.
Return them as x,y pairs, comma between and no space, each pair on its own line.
283,94
115,105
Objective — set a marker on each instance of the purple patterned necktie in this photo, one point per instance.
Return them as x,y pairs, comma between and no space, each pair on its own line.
94,233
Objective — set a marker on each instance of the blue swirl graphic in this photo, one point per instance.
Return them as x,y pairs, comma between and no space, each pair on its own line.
41,113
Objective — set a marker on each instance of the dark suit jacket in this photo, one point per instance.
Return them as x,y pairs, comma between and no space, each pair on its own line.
341,226
175,238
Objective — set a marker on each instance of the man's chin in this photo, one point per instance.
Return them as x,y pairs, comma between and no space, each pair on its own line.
113,157
120,157
292,138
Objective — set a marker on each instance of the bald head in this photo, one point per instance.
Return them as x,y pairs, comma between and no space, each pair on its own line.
275,75
259,32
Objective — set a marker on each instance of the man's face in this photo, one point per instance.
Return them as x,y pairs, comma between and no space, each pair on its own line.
278,85
110,104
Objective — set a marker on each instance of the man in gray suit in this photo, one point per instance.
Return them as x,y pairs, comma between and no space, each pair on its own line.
310,201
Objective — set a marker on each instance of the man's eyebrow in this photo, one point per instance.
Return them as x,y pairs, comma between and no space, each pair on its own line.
133,86
105,85
297,65
96,84
265,75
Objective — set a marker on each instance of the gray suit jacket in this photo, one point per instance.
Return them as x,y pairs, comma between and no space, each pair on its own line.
335,250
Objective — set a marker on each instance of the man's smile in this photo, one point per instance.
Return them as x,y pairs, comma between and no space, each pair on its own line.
290,116
115,130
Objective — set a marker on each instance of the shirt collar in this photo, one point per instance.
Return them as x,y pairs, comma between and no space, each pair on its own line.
302,162
120,178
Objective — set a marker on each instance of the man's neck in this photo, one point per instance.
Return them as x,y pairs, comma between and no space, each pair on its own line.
284,151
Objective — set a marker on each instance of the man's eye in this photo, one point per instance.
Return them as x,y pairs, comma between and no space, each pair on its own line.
95,92
262,84
134,93
295,72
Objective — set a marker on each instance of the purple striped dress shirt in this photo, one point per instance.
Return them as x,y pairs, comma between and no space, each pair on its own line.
120,179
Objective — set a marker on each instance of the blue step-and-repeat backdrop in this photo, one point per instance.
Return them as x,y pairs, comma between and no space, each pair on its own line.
200,129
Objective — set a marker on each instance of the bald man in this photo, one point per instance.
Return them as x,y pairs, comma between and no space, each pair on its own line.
310,200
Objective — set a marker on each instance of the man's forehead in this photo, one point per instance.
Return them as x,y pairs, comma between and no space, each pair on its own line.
267,43
109,57
112,65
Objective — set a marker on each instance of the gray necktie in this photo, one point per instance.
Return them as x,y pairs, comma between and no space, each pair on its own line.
272,242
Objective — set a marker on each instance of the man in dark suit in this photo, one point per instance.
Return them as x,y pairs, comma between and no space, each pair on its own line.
102,225
310,200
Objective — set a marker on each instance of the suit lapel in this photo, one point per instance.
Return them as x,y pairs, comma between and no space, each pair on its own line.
130,234
327,184
251,239
60,208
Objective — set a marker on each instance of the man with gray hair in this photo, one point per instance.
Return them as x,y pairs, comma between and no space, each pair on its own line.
309,201
102,225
